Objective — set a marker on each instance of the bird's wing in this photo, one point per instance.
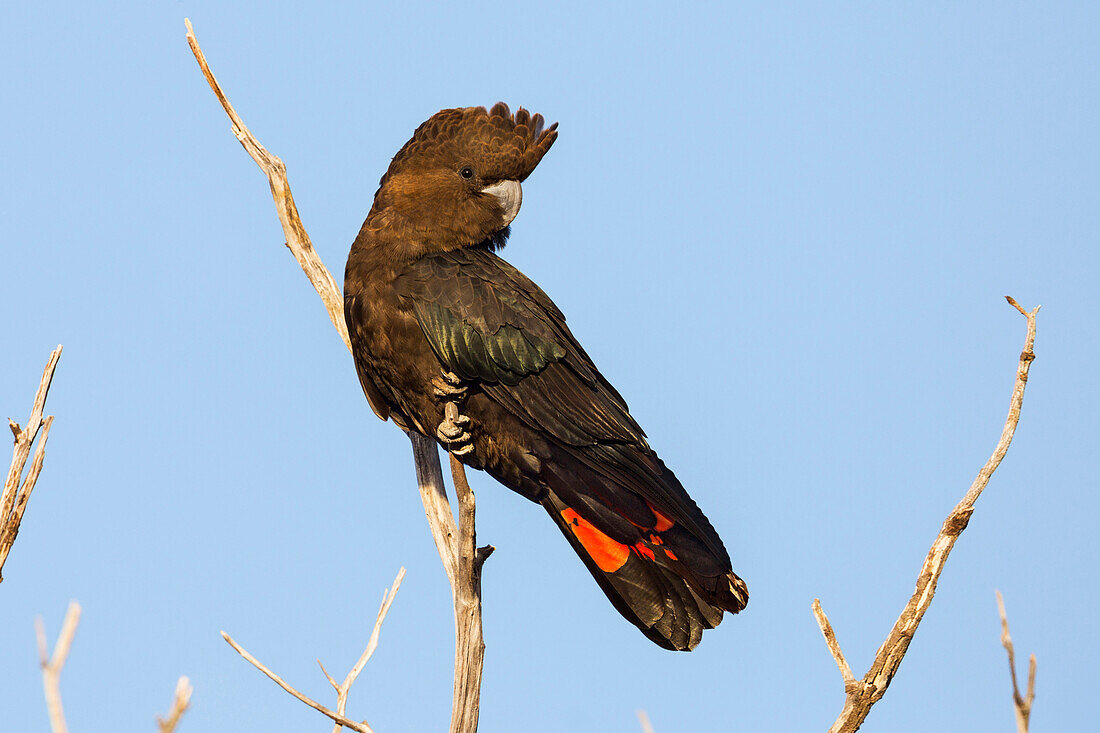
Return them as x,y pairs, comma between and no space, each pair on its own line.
649,546
487,322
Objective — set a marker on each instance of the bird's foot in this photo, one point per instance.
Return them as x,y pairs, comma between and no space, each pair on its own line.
449,386
452,430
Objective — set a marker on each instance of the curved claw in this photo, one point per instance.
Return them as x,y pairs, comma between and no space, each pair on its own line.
454,437
448,385
463,450
452,430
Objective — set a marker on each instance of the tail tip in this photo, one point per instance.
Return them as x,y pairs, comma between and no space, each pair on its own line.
738,593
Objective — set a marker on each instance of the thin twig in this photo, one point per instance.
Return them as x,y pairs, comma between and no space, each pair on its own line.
1021,703
834,645
343,689
426,456
180,702
51,665
296,237
13,502
863,694
336,717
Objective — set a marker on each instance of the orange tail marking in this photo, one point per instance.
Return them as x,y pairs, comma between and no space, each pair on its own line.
608,554
663,522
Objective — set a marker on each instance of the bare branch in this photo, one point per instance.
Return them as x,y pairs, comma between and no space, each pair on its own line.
13,502
834,645
643,719
437,508
468,640
180,703
51,666
361,727
1021,703
343,689
469,644
862,694
296,237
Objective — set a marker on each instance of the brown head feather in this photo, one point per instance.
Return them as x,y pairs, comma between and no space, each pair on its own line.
433,197
507,146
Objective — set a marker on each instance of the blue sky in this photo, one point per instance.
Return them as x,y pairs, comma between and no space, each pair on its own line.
783,232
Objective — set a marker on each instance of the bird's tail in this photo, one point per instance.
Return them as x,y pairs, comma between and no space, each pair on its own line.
661,578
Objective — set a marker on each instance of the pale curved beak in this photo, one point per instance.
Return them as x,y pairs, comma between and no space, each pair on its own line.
510,196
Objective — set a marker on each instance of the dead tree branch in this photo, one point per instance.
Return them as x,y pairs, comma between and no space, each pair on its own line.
469,645
833,644
180,702
337,716
862,694
1022,704
51,665
296,237
343,688
51,675
13,502
467,593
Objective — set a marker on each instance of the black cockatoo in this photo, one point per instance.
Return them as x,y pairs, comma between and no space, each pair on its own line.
437,318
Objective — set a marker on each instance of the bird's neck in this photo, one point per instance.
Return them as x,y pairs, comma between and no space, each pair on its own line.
390,241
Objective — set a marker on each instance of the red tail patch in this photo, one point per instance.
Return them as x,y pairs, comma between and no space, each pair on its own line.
608,554
663,522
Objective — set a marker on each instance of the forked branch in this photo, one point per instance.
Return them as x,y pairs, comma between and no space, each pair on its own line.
180,702
13,502
337,715
1021,703
450,538
52,664
860,695
343,688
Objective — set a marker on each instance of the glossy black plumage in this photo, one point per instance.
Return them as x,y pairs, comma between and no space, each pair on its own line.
422,299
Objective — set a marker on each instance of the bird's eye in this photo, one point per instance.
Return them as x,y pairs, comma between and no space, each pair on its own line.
466,172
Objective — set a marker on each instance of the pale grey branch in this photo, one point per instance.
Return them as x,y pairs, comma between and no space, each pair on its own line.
51,665
13,502
342,690
469,645
180,702
833,644
862,694
1021,703
336,717
429,473
372,644
296,237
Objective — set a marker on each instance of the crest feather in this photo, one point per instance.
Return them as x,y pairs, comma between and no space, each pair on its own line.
500,145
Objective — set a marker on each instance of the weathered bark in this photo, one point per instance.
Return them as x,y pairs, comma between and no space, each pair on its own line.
463,566
860,695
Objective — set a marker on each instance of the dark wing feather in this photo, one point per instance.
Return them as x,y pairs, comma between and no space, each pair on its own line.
486,321
651,549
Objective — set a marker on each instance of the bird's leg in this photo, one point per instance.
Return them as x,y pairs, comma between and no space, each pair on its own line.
452,431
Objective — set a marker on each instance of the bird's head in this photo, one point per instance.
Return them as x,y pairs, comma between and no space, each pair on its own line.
456,183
